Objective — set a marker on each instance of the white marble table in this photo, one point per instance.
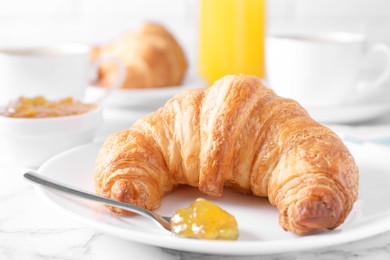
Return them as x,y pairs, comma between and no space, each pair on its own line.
30,229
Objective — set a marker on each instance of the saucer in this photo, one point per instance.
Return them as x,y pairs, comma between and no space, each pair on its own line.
146,99
352,113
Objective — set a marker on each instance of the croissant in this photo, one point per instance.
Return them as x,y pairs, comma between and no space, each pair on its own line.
238,134
152,58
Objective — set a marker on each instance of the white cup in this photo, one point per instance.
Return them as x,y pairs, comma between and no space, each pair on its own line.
324,69
50,71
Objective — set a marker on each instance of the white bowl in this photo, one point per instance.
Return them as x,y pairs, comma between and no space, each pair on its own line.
31,141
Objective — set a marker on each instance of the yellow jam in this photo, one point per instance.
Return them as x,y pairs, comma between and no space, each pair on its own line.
39,107
205,220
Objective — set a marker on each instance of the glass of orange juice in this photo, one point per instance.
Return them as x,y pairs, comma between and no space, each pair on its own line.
231,38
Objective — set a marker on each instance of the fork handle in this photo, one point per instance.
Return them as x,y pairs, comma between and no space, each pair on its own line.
58,186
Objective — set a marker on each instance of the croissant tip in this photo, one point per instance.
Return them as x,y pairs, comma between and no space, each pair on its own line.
315,214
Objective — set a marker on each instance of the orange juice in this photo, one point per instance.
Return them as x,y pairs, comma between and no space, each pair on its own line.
231,38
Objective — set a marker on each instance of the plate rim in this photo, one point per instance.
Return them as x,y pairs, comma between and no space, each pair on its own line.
237,248
327,114
133,98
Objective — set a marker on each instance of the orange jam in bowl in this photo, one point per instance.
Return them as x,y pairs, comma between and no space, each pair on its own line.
39,107
205,220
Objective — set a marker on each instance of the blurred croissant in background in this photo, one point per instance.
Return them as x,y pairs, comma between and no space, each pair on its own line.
152,58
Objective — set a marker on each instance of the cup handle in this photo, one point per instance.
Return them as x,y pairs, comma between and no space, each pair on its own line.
377,83
118,82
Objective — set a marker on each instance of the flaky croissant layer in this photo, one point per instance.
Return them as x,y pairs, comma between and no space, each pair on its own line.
236,134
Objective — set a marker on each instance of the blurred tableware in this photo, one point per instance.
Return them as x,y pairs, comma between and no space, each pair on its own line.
49,71
378,141
371,131
31,141
231,38
324,69
346,114
142,99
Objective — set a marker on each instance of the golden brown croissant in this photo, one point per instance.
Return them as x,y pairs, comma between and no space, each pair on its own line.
152,57
238,134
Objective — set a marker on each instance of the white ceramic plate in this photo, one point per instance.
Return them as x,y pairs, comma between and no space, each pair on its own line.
142,98
258,221
349,113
